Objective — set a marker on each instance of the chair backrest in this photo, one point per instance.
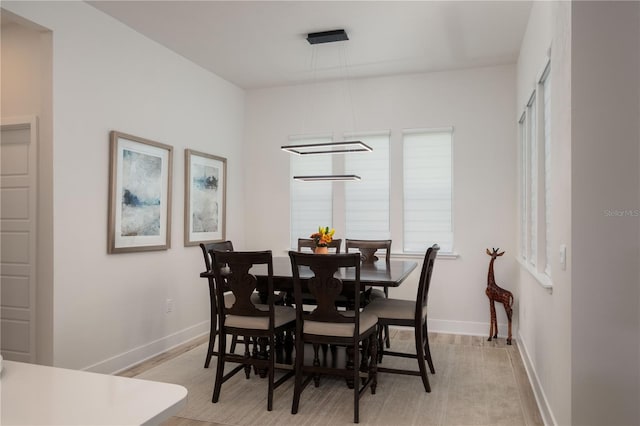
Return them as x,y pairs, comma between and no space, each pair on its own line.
324,286
425,280
235,277
220,246
368,249
309,243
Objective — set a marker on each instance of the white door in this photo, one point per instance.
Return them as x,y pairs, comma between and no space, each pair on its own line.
18,208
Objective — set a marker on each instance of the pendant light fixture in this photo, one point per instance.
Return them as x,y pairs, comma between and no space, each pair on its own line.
324,178
327,147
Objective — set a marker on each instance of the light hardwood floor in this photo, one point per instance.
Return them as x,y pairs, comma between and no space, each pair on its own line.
513,361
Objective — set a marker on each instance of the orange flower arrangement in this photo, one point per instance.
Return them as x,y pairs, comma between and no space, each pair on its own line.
323,237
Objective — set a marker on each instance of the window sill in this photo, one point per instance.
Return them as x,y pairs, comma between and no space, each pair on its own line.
542,279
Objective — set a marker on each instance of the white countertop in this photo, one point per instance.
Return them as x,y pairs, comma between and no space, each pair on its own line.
33,394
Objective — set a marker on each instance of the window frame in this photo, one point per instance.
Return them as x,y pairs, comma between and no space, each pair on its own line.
534,137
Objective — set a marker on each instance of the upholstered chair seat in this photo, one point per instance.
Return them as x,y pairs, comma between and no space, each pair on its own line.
394,309
367,320
282,315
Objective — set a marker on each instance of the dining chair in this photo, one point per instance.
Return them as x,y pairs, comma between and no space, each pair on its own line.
257,322
228,298
206,248
326,325
409,313
335,244
368,249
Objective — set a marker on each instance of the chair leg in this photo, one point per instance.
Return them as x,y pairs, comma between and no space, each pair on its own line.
212,333
387,338
386,327
234,342
247,355
373,362
380,344
356,387
364,357
419,333
220,369
297,387
272,367
212,341
316,363
427,351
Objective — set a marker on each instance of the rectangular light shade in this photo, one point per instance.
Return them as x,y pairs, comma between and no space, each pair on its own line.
327,148
321,178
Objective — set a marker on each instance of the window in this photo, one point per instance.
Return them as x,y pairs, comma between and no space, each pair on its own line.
533,180
311,204
534,129
427,167
545,83
363,209
367,201
522,132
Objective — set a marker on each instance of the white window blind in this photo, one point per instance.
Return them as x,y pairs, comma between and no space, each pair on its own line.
522,130
367,200
546,95
311,202
533,176
427,190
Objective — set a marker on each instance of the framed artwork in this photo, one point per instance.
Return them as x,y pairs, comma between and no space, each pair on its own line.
205,198
139,194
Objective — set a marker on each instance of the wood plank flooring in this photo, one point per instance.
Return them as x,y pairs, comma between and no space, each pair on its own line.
527,400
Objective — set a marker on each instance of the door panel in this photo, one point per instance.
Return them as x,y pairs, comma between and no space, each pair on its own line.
18,168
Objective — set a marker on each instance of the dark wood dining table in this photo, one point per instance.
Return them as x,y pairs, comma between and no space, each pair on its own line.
376,274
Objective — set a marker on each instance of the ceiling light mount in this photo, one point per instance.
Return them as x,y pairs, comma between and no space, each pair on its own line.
327,36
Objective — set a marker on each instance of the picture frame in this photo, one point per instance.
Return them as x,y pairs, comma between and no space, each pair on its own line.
205,200
140,181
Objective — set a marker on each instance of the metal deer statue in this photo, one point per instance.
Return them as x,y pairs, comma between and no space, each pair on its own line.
496,293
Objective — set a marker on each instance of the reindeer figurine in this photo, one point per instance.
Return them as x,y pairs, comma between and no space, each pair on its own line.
496,293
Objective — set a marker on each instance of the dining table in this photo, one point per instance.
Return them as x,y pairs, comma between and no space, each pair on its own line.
372,274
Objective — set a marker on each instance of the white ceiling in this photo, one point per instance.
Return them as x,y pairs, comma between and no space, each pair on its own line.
258,44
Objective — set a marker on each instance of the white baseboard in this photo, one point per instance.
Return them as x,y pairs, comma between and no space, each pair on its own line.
541,399
135,356
464,327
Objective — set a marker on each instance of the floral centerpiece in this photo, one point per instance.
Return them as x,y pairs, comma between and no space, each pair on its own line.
322,238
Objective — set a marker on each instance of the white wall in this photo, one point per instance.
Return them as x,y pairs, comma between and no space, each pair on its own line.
605,171
109,309
581,341
478,103
545,316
